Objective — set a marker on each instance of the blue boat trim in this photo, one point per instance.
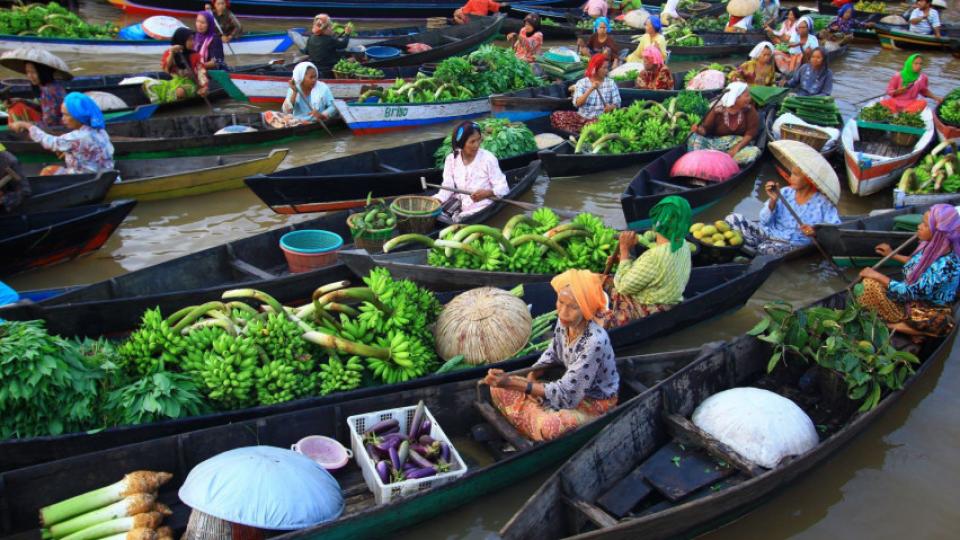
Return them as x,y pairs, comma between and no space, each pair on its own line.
388,124
520,116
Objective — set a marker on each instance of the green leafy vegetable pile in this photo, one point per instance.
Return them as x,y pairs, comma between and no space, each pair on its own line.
488,70
538,244
935,173
852,342
682,36
351,69
52,20
879,114
908,119
949,110
628,76
587,24
641,127
500,137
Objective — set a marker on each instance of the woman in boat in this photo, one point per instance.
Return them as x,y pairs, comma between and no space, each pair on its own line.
86,148
731,127
482,8
801,42
652,36
782,34
595,8
528,41
922,303
227,23
740,25
543,411
759,70
14,186
208,42
51,93
655,281
655,75
778,232
670,13
601,42
813,78
323,48
840,30
472,169
769,12
593,95
908,88
924,19
308,100
188,74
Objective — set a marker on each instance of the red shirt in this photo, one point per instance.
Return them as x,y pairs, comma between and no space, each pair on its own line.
480,7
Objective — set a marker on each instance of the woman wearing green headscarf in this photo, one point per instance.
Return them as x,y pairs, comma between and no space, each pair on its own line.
906,87
654,281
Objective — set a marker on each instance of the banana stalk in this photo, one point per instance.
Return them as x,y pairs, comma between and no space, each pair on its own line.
540,240
348,347
563,228
516,220
486,230
196,313
254,294
405,238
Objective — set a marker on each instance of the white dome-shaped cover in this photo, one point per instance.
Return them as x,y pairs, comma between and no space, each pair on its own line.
264,487
760,425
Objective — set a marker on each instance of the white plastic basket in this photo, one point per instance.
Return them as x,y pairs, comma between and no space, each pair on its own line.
384,493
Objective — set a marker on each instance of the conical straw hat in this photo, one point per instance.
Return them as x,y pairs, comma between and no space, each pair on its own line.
16,59
814,166
742,8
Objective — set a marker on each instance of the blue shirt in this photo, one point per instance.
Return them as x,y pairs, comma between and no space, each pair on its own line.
938,284
808,82
778,223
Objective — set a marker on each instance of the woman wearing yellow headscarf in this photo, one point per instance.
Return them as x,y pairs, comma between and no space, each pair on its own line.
588,389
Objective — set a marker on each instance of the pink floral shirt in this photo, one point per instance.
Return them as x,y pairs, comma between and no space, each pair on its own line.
482,173
85,150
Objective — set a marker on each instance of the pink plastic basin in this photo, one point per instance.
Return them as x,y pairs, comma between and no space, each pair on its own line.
327,452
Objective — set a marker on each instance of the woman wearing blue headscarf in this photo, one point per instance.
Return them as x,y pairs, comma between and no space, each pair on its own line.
86,148
601,42
840,30
651,37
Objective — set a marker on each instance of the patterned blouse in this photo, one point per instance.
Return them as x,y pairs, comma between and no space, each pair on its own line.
527,48
661,79
938,285
482,173
658,276
591,368
51,97
748,73
780,224
85,150
606,94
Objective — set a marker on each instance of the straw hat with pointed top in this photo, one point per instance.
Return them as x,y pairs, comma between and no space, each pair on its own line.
743,8
17,58
812,163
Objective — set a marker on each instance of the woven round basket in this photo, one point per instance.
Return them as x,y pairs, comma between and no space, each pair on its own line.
371,240
813,137
416,213
340,75
203,526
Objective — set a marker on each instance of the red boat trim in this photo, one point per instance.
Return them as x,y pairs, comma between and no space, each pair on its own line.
318,207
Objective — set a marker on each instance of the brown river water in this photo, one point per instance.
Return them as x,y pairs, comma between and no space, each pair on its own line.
898,480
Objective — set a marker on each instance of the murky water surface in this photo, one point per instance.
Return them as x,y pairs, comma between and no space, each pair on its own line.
899,480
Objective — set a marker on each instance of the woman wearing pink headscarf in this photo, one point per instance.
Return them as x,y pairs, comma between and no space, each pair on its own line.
655,75
921,304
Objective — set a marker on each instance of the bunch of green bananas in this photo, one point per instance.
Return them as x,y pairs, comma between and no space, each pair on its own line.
339,376
276,382
154,346
199,341
228,370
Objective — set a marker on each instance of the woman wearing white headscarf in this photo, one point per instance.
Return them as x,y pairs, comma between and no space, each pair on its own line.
759,70
802,42
308,100
730,127
669,12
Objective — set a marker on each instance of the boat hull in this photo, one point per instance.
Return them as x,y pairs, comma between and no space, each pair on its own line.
257,88
357,9
895,39
373,118
260,44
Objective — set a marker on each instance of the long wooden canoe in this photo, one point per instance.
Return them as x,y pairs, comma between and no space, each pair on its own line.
354,9
39,239
654,182
156,179
342,183
716,45
374,118
64,191
895,38
250,43
456,407
268,85
632,456
179,136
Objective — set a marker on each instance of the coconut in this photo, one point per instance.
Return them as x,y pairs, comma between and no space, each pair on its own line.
485,325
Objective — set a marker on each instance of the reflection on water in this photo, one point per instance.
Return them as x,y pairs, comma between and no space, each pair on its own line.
897,480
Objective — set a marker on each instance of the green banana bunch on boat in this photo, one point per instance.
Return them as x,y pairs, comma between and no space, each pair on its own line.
934,173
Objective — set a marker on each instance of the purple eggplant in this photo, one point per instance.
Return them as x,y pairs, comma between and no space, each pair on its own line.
374,452
382,426
409,466
425,440
403,451
419,459
424,472
444,451
420,449
424,427
383,471
388,442
395,458
418,415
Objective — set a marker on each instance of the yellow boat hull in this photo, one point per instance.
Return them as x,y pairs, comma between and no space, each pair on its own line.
196,182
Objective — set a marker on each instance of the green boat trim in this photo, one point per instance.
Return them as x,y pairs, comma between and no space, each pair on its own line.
223,79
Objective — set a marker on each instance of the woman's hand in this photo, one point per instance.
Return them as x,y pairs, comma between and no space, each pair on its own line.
317,115
628,239
226,39
177,49
496,378
696,128
481,194
532,376
807,230
883,249
733,151
870,273
21,125
293,86
773,193
513,35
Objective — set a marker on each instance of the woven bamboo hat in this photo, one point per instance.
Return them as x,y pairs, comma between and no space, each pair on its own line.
742,8
17,58
814,166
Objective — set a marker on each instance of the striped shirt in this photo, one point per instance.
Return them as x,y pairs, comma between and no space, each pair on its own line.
658,276
606,94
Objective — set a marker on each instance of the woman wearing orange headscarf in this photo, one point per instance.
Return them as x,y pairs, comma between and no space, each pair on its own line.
593,95
588,389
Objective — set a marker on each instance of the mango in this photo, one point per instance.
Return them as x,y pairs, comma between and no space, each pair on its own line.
696,227
720,243
729,234
707,240
736,241
717,237
698,234
721,225
709,230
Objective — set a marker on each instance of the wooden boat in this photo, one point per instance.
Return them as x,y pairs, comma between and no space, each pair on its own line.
895,38
179,136
342,183
354,9
454,405
39,239
711,292
716,45
136,114
945,130
633,456
373,118
828,150
268,85
64,191
653,183
872,166
249,43
157,179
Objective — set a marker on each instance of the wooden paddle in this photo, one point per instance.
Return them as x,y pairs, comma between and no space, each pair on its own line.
519,204
196,78
882,95
800,222
219,29
887,258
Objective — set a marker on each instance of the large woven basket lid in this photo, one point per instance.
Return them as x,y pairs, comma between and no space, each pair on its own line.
812,163
17,58
742,8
